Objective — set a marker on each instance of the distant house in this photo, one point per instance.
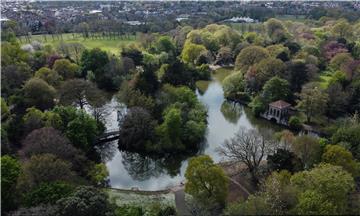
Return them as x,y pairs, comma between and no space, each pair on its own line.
278,111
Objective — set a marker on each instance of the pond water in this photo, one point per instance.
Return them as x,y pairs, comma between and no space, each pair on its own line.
128,170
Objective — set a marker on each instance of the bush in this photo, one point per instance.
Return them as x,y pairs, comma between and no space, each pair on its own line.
128,210
295,123
47,193
233,85
257,106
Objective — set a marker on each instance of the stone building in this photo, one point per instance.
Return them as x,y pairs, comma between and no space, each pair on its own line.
278,111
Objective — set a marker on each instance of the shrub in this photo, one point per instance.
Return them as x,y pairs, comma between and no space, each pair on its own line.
295,123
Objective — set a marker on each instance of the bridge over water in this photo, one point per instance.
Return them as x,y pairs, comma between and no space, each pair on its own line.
108,136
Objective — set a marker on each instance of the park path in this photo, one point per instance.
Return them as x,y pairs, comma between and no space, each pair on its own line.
180,201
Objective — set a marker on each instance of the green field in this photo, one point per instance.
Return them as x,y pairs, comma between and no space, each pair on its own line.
294,18
110,45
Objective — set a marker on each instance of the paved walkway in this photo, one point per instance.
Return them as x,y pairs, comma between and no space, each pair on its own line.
180,201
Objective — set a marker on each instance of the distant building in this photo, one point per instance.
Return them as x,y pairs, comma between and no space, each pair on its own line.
95,11
278,111
241,20
134,23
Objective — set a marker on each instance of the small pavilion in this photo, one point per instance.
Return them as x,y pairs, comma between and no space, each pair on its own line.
278,111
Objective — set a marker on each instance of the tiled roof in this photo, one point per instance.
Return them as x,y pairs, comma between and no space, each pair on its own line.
280,104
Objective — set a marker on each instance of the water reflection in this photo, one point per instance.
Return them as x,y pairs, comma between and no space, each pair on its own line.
128,169
143,167
231,111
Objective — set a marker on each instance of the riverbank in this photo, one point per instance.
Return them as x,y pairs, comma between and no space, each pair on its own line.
239,188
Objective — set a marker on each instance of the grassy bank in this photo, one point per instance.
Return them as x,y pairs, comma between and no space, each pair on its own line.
145,199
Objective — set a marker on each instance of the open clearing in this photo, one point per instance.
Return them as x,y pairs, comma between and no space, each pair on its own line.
112,45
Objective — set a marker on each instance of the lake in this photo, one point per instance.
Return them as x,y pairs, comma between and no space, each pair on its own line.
129,170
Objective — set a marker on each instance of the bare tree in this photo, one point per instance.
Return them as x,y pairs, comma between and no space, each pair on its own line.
249,147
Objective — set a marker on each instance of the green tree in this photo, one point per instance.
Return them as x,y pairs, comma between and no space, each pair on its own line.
48,75
279,51
39,94
5,112
66,69
133,52
10,171
276,30
176,73
99,173
339,60
234,87
13,78
165,44
33,119
145,81
11,53
343,29
276,89
47,193
295,123
339,156
135,98
258,105
206,181
82,131
278,194
266,69
170,130
79,92
191,52
112,75
93,60
350,136
313,203
85,201
312,101
44,168
297,74
332,182
284,160
249,56
308,149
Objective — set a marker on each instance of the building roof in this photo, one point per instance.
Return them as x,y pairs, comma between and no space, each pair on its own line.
280,104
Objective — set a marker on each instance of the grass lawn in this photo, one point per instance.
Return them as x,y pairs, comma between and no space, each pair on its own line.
221,73
294,18
110,45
